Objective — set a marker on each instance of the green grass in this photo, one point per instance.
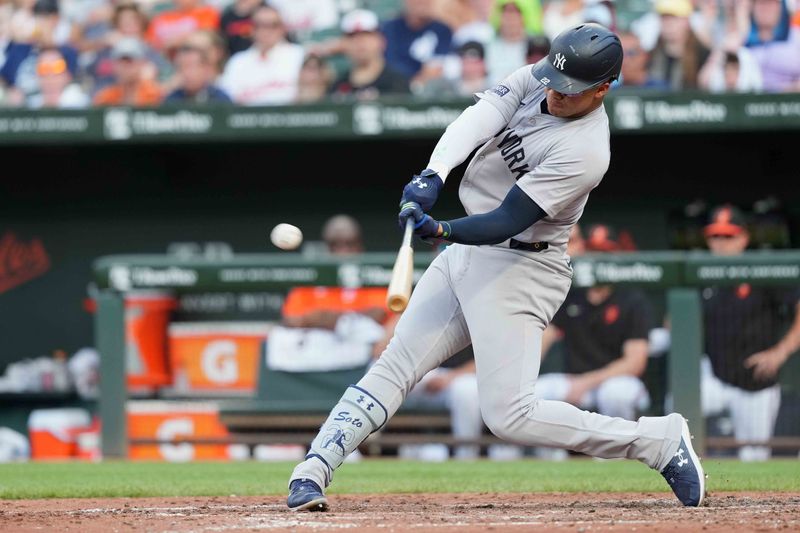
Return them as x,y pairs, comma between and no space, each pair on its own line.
81,480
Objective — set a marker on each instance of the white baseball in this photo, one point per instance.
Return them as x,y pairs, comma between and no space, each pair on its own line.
286,237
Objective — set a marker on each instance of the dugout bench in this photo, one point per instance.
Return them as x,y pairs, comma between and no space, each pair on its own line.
680,274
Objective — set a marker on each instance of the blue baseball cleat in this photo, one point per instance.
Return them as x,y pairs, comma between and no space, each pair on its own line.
685,474
305,495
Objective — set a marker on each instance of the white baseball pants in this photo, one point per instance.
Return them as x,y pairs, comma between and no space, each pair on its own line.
501,300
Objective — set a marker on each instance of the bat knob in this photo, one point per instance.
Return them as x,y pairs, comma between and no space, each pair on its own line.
397,303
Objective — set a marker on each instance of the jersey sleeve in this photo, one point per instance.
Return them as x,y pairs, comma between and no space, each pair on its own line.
565,174
507,95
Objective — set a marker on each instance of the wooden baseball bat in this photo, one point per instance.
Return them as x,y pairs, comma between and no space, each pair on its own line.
402,273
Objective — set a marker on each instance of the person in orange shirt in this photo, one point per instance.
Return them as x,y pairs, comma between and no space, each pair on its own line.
168,28
131,87
321,307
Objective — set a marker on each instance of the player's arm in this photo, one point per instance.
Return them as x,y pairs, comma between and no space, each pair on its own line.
474,126
766,364
477,124
632,363
517,213
327,318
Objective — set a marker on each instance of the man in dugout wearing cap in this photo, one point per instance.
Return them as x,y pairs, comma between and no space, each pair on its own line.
744,344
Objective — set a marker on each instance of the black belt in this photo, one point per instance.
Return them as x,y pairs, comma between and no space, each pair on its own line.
528,246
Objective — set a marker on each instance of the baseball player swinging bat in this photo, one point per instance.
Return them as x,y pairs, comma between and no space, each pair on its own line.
543,144
402,273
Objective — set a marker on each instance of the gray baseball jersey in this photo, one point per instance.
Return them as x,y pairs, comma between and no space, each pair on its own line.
556,161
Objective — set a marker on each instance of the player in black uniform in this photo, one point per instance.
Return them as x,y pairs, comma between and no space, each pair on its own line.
746,341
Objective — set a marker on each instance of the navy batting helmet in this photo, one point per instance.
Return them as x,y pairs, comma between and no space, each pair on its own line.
580,58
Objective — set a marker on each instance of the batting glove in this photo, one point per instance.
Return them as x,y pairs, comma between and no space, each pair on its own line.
425,226
423,189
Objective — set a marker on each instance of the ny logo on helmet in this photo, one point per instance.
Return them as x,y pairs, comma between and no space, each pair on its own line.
559,61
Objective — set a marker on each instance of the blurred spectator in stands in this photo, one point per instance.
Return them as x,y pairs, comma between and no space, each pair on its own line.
236,25
22,24
168,27
194,70
369,75
315,80
18,72
416,43
56,87
213,44
267,73
678,54
465,74
51,25
473,77
745,347
635,72
562,14
731,71
601,12
605,330
302,18
538,47
721,23
730,67
86,13
132,85
6,12
507,51
468,20
775,45
127,21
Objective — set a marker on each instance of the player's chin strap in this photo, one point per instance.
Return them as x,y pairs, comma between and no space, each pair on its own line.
356,415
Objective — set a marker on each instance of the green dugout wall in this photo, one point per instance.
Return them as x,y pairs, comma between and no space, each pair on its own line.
679,274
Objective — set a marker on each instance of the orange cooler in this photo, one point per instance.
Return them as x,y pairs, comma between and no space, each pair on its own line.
147,315
217,357
174,421
54,432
